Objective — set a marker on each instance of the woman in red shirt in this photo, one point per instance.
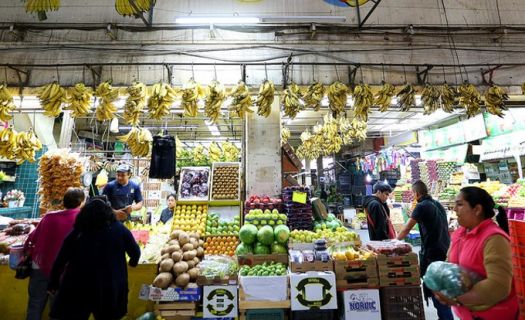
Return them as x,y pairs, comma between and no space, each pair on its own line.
483,246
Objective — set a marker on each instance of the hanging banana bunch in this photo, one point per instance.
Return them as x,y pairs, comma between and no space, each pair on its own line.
265,98
242,100
126,8
337,97
8,142
162,98
214,152
330,138
383,98
7,104
470,99
230,152
138,140
191,92
314,95
79,99
215,97
407,97
40,7
135,103
495,98
198,153
27,144
346,130
291,101
51,98
107,96
448,98
359,129
285,135
363,100
308,149
430,99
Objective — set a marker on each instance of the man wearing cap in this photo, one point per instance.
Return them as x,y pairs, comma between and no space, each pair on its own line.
122,193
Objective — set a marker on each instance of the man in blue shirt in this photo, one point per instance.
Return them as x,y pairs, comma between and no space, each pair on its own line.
122,193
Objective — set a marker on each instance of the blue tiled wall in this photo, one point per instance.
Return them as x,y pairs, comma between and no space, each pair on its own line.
26,180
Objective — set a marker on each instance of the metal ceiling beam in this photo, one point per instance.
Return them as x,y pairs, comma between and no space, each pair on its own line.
361,23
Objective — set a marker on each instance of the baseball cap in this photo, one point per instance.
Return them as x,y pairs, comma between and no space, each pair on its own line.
123,168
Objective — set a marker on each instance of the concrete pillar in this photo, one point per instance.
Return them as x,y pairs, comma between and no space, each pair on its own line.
263,153
43,127
66,130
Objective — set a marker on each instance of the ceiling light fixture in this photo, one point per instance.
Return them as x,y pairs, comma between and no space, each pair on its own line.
217,20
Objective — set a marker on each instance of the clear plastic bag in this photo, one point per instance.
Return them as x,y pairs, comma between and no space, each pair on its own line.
218,266
450,279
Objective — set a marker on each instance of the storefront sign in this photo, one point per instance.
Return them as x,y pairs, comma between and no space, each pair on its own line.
514,120
456,154
220,301
299,197
503,146
363,304
474,128
458,133
313,291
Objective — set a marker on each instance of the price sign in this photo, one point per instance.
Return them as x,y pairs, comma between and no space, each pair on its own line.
299,197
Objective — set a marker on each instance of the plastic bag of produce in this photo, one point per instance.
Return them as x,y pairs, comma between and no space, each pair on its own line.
450,279
218,266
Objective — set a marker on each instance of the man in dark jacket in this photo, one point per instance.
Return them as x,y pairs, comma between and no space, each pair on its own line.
378,213
435,239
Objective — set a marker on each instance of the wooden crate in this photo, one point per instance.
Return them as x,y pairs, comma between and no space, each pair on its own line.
355,269
245,305
360,283
176,310
397,261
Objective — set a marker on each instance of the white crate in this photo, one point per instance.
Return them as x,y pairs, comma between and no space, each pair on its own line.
224,164
183,171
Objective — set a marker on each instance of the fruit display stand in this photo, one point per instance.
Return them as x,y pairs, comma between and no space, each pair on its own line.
190,216
355,269
194,184
402,270
226,182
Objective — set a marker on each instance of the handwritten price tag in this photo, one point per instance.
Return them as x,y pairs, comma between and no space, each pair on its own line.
299,197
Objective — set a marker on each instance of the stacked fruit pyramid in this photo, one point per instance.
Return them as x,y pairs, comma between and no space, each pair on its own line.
414,169
190,218
300,216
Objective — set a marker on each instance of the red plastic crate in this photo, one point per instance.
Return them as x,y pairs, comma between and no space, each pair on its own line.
519,283
516,214
517,233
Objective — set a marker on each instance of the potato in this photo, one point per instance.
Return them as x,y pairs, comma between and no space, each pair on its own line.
180,267
183,238
182,280
187,247
166,265
165,256
191,264
194,243
176,256
194,273
173,248
163,280
201,243
189,255
175,234
196,260
200,252
173,242
195,235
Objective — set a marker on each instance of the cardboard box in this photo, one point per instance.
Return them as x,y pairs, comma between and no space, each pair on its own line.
255,259
355,269
220,301
313,290
362,283
389,282
148,292
399,272
272,288
363,304
311,266
204,281
397,261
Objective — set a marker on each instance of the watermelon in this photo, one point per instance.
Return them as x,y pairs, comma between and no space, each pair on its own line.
279,248
261,249
265,235
243,249
281,233
248,233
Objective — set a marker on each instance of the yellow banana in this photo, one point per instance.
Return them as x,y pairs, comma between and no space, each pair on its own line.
241,100
215,97
265,98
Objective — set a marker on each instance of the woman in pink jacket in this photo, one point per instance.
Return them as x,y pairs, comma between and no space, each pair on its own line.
483,246
43,245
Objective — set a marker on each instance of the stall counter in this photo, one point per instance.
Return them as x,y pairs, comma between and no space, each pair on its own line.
13,296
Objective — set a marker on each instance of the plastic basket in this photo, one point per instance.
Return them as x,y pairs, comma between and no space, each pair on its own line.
402,303
519,284
265,314
516,214
313,315
517,232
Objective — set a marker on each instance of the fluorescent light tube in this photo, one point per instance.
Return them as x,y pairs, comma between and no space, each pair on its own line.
217,20
304,19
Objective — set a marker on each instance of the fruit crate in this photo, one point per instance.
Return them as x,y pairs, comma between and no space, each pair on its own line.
192,198
359,283
399,272
175,310
406,260
314,315
247,307
263,314
181,220
517,234
402,303
311,266
399,282
356,269
216,165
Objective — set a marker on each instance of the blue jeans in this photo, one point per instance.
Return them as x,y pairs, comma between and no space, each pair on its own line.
37,295
444,311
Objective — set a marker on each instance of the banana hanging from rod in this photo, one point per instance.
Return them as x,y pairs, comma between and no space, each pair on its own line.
7,105
138,140
495,98
135,103
407,98
126,8
40,7
285,135
214,152
107,95
160,101
470,99
430,99
51,98
215,97
8,142
242,100
230,152
337,97
191,93
363,100
27,144
291,101
314,96
265,98
448,98
79,99
383,98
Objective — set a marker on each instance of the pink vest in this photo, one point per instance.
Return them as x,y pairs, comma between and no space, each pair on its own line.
466,249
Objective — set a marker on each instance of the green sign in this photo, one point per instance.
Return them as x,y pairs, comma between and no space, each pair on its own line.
513,120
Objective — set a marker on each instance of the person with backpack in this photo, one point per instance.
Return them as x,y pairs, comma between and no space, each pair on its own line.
378,214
